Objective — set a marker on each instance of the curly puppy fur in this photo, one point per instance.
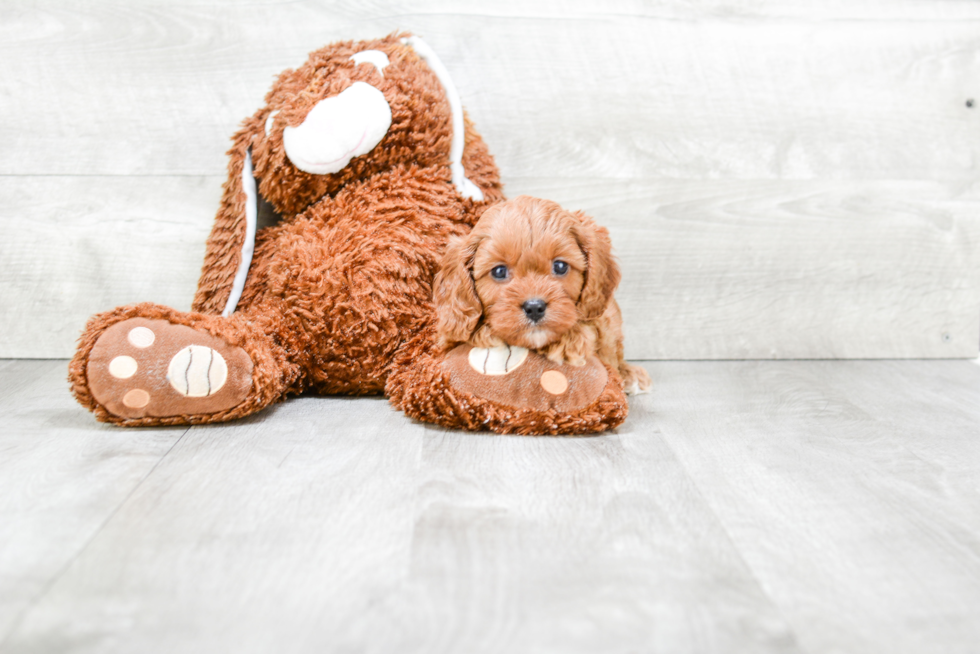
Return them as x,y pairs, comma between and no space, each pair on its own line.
535,275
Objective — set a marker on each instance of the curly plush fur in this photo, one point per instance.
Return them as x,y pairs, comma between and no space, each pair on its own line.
337,298
421,388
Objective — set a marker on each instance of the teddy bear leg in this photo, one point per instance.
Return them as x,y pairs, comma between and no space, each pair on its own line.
149,365
504,389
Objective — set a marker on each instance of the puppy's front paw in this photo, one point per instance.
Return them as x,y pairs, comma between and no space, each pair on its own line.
562,355
636,380
574,348
558,356
484,338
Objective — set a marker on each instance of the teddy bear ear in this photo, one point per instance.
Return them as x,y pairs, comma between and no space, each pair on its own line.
232,240
466,188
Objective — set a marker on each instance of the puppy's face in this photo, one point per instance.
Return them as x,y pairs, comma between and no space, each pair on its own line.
527,273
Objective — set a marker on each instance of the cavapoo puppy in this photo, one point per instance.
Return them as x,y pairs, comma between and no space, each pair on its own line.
534,275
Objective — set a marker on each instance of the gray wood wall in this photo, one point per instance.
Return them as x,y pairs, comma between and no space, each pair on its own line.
787,179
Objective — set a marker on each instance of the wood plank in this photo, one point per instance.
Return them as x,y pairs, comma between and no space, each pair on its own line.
16,374
252,535
727,89
849,488
88,244
788,270
338,524
62,475
915,402
725,99
712,269
744,506
586,545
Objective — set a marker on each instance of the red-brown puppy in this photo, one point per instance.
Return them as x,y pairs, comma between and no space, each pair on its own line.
534,275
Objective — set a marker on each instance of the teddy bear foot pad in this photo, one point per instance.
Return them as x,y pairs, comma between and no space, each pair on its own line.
508,376
152,368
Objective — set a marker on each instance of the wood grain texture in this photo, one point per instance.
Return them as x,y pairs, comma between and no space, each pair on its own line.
586,545
729,90
59,484
849,487
789,270
288,522
338,524
711,269
74,246
783,179
791,506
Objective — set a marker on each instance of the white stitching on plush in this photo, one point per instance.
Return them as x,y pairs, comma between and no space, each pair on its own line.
465,187
376,57
248,247
268,122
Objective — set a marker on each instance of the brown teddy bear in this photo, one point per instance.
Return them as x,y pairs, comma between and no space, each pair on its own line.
365,156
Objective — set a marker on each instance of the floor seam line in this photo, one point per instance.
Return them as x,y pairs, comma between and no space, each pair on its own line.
735,548
15,624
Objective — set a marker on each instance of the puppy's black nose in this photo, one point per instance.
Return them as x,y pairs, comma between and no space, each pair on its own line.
534,309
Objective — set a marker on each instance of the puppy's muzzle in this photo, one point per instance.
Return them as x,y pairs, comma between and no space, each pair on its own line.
535,309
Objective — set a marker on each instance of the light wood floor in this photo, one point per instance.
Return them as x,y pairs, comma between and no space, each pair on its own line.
794,506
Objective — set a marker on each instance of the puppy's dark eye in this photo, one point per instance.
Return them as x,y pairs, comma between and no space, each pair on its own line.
499,273
559,267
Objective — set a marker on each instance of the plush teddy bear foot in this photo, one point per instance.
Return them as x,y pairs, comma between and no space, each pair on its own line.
515,377
509,390
143,368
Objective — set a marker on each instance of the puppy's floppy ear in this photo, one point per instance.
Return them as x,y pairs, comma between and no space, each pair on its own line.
458,307
601,270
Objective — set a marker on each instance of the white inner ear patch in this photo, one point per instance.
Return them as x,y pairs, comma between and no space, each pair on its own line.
376,57
499,360
338,129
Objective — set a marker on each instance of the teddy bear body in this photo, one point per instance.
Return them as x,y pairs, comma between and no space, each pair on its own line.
365,155
344,284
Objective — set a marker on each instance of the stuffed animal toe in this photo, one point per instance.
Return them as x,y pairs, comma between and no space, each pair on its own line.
509,390
148,365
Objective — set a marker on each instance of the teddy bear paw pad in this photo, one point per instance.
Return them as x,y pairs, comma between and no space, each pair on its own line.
500,360
512,376
141,367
